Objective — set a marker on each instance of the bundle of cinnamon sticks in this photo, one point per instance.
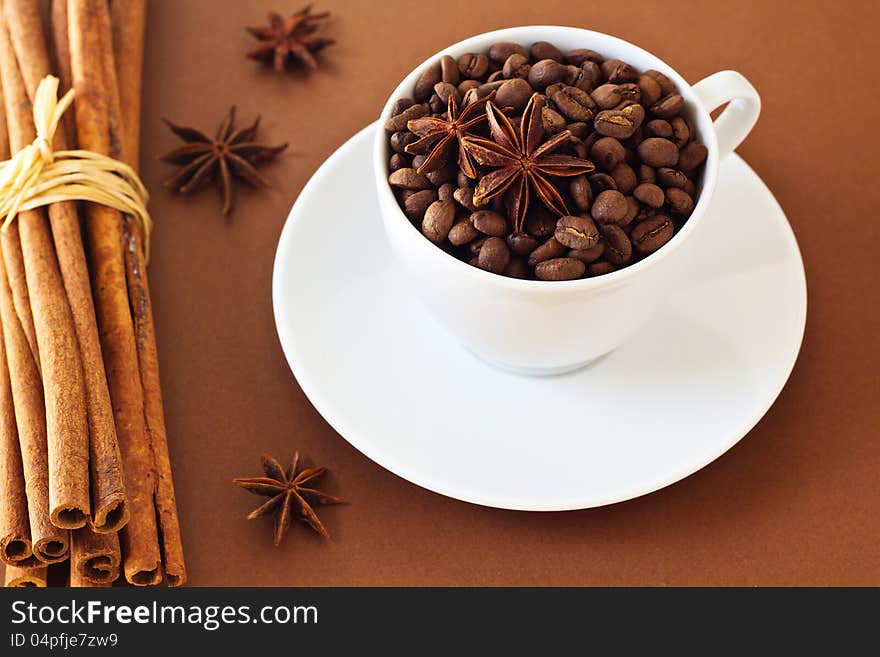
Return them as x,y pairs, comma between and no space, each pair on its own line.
85,475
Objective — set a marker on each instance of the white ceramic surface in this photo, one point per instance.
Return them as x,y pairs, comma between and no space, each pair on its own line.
545,328
687,387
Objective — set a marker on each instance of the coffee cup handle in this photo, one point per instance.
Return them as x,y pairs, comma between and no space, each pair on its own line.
739,117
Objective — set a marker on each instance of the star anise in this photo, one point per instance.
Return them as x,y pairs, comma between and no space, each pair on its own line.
288,495
232,153
522,161
438,134
290,40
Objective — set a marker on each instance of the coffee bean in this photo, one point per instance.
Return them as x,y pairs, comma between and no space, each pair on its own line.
618,249
409,179
495,76
544,50
489,223
576,232
485,89
415,205
547,251
668,106
445,192
607,153
516,268
474,246
449,70
629,91
650,89
606,96
658,128
522,243
436,105
658,152
619,72
494,255
601,267
438,220
398,122
462,232
516,66
666,85
647,174
465,197
396,162
632,211
426,81
540,222
560,269
574,104
625,178
593,73
578,148
650,194
546,72
690,188
575,76
401,104
599,182
400,140
667,177
692,156
466,86
473,65
588,255
635,112
500,52
679,201
580,55
680,131
444,90
580,192
651,234
609,207
552,121
440,173
614,123
514,93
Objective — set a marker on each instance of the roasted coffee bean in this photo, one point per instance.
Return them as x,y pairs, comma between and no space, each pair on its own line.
600,182
576,232
546,72
466,86
489,223
666,86
522,243
578,149
473,65
552,121
415,205
516,66
650,194
409,179
652,233
589,255
580,192
681,133
658,128
692,156
650,89
667,177
574,104
462,180
668,106
632,211
609,207
500,52
464,196
463,232
441,175
396,162
560,269
485,89
635,112
593,73
398,122
540,222
438,220
579,129
614,123
601,267
495,76
658,152
625,178
606,96
449,72
436,105
419,161
425,84
547,251
401,104
446,89
629,91
690,188
619,72
607,153
477,244
576,76
514,93
516,268
553,89
494,255
544,50
679,201
445,192
618,249
647,174
580,55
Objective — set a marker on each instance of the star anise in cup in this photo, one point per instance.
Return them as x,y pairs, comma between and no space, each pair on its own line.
289,495
291,40
438,135
230,154
522,162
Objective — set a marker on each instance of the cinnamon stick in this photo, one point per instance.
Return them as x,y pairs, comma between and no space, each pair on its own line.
63,387
128,22
49,543
109,500
61,61
94,557
17,577
140,538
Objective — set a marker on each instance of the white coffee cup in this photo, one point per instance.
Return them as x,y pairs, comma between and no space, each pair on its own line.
539,327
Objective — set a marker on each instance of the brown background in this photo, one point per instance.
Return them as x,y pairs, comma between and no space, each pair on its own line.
795,503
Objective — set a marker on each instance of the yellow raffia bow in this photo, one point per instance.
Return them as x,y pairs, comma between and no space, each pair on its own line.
37,175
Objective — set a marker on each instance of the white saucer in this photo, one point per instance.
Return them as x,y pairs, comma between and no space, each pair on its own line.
404,393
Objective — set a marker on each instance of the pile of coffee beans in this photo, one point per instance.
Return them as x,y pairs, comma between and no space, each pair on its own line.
630,125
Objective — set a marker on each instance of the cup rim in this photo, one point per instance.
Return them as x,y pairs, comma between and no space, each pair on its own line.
532,33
